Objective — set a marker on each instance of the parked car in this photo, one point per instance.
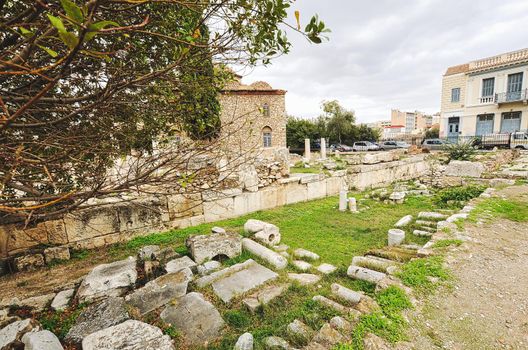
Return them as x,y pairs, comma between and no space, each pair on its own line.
364,146
386,145
434,144
340,147
519,140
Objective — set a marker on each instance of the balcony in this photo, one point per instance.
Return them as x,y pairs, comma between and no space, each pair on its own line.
509,97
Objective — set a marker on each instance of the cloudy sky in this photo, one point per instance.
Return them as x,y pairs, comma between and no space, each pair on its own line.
385,54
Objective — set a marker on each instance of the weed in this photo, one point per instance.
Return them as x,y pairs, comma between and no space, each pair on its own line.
60,322
457,196
419,273
79,254
237,319
447,243
393,300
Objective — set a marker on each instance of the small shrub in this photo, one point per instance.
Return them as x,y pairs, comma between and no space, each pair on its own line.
461,150
457,196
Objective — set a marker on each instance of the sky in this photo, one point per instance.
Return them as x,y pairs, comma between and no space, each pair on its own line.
385,54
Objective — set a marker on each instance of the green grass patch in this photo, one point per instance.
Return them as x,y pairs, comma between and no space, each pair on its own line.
420,273
509,209
447,243
60,322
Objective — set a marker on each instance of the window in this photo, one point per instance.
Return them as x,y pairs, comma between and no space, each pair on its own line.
266,110
511,122
515,82
266,137
455,95
485,124
488,87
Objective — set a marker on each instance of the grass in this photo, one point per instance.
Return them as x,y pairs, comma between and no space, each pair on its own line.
60,322
444,243
303,170
420,273
509,209
316,225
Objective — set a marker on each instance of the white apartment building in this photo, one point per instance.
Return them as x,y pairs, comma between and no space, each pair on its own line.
486,96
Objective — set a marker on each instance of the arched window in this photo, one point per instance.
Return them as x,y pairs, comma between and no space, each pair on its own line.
266,110
266,136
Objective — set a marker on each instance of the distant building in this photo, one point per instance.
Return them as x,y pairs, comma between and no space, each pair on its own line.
414,122
486,96
393,131
380,124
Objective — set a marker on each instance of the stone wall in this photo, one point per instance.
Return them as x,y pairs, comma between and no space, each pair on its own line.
366,176
112,221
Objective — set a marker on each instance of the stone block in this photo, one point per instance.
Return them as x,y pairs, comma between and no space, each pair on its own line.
304,279
19,239
41,340
13,333
96,317
209,247
206,280
305,254
62,299
326,269
196,318
242,281
146,214
29,262
464,169
106,280
269,198
179,264
244,342
247,202
160,291
129,335
56,254
334,185
91,223
346,294
219,209
316,189
264,296
296,193
404,221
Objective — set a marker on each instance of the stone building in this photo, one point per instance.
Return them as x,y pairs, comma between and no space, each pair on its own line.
485,96
253,116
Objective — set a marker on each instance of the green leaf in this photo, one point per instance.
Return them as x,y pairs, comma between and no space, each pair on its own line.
57,23
96,27
25,32
70,39
50,52
73,11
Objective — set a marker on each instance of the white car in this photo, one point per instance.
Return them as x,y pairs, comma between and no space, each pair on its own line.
519,140
365,146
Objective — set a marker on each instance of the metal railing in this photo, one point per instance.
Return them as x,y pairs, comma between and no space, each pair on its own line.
516,96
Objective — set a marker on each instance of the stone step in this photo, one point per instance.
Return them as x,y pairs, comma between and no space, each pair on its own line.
364,274
299,332
427,228
431,215
326,269
394,253
264,296
426,223
331,304
373,263
422,233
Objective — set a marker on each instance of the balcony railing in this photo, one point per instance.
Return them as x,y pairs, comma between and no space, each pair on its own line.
487,99
516,96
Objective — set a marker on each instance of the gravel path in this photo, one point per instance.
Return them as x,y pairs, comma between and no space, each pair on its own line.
488,305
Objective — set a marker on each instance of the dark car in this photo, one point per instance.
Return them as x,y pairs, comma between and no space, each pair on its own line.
386,145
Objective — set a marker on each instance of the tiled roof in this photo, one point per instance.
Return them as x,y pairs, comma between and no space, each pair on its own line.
502,60
462,68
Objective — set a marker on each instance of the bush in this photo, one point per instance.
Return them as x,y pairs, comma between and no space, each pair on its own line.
461,150
457,196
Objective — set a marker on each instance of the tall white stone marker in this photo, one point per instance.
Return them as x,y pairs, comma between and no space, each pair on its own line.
307,154
323,148
343,200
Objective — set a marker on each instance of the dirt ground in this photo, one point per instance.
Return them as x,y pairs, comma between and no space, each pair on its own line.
487,308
